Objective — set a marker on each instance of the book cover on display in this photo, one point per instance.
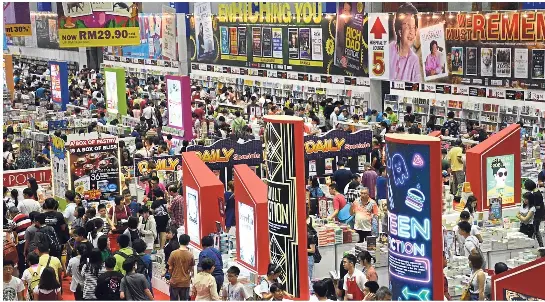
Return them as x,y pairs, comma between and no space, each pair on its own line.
349,37
224,39
521,63
433,52
256,41
233,38
267,42
242,41
471,61
293,43
304,44
487,62
457,60
538,63
503,62
277,42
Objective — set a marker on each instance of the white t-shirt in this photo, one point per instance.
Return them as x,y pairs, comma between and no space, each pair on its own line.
524,211
27,275
69,213
264,286
471,243
12,288
73,269
357,276
46,291
29,205
147,113
460,240
234,292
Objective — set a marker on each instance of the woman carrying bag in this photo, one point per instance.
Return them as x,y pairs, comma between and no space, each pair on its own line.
147,228
475,289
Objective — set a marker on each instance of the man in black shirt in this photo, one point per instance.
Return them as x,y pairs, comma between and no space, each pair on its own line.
451,125
376,156
109,282
342,176
56,220
531,186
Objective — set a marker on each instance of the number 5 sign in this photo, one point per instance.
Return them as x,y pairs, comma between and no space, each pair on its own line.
378,46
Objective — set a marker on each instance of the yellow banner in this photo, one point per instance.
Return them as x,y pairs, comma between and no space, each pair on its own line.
306,63
18,30
269,60
98,37
234,58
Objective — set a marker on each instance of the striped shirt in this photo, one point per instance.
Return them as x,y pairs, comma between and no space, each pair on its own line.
21,222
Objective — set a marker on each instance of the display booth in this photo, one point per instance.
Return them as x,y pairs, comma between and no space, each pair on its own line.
493,169
204,199
59,84
116,99
415,263
8,73
523,283
179,104
224,154
323,151
286,198
251,208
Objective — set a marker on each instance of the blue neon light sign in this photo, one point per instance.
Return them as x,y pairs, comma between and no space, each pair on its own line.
409,260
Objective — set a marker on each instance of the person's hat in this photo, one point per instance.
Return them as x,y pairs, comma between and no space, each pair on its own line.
445,173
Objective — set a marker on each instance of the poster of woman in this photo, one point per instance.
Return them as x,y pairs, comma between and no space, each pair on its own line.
432,40
404,63
457,60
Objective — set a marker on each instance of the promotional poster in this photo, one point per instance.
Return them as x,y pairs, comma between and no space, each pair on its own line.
60,165
97,24
168,34
246,227
204,36
56,92
111,90
115,94
302,43
17,19
538,64
349,38
413,273
500,179
44,37
174,99
432,40
94,168
58,71
338,143
481,48
193,221
226,153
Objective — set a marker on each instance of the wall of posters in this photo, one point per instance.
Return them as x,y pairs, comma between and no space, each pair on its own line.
270,38
60,170
94,168
97,24
246,219
500,178
492,49
193,221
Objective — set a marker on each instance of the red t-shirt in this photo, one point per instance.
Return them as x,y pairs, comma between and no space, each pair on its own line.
199,112
120,214
339,202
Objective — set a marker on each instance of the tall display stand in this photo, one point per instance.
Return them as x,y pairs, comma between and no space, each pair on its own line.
204,199
251,210
523,283
8,73
59,83
493,168
116,100
284,159
415,261
179,104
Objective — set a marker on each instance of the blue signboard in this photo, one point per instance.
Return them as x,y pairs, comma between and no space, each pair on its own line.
56,125
59,83
409,206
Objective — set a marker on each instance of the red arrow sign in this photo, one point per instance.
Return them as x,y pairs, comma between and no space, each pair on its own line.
378,29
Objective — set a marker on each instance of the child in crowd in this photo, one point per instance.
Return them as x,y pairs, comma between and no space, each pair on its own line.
234,290
109,283
31,276
277,292
134,286
73,270
107,222
204,284
49,288
132,230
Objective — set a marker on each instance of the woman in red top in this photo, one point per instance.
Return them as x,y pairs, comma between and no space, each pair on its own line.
366,261
118,213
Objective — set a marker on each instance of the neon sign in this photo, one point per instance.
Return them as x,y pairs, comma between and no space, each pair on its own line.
410,231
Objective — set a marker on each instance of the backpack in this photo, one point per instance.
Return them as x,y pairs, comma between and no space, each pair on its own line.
314,235
48,236
140,265
34,279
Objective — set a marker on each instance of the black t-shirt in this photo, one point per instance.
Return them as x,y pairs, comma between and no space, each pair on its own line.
108,286
56,220
376,154
540,207
342,177
311,238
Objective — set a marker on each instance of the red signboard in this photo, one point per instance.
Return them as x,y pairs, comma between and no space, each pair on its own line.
18,178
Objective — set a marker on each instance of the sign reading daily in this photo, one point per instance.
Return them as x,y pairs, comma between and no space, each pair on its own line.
409,208
171,163
338,143
96,24
501,49
281,36
226,153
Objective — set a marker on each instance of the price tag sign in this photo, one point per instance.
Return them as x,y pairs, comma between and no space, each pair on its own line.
18,30
97,37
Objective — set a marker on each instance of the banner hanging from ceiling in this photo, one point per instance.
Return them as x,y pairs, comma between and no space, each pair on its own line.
17,19
501,49
281,36
96,24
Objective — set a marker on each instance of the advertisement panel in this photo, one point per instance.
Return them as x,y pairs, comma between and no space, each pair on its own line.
500,179
60,167
168,34
19,178
413,273
46,31
7,64
338,143
114,91
94,168
378,46
192,206
174,100
17,19
59,84
473,48
349,39
273,36
161,163
204,35
97,24
226,153
246,219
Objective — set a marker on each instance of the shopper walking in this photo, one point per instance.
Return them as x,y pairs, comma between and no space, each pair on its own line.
354,280
109,282
365,211
209,251
229,198
147,228
180,268
539,215
455,156
476,286
205,284
134,286
90,272
176,206
366,261
49,288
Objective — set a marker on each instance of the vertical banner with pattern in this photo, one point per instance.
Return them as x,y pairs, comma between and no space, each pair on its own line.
168,30
116,102
287,206
59,166
204,35
17,19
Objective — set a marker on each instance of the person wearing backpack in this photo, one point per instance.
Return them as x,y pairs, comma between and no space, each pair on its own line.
134,286
132,230
46,260
31,276
143,260
49,288
90,272
47,236
109,282
124,252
